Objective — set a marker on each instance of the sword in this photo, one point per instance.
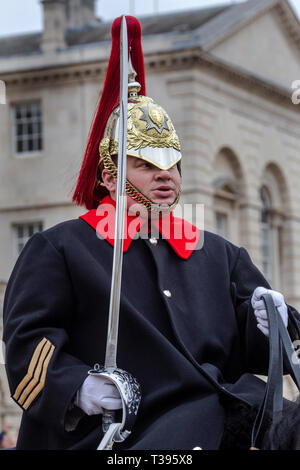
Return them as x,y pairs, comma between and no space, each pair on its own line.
127,385
114,307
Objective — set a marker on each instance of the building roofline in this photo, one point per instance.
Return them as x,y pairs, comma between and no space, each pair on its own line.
25,43
165,60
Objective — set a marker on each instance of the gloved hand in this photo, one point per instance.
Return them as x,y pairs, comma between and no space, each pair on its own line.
96,393
260,308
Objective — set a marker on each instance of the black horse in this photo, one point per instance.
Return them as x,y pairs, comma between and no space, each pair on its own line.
282,432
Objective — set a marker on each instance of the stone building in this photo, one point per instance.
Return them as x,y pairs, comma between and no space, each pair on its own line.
223,73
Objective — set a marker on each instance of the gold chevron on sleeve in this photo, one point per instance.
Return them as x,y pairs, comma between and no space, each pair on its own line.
31,368
34,380
41,383
36,377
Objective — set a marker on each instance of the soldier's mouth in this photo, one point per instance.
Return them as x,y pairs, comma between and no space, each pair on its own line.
163,191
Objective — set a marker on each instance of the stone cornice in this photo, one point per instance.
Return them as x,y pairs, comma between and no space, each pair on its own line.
248,80
35,206
160,62
44,76
289,21
181,60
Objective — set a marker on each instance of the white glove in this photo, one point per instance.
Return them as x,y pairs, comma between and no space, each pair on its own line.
98,392
260,308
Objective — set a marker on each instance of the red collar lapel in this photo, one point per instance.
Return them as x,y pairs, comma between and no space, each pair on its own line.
181,235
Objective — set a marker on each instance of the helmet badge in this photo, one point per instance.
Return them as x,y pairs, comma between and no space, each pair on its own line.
154,118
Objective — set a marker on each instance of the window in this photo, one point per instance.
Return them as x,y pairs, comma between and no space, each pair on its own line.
228,191
23,232
27,127
266,236
221,223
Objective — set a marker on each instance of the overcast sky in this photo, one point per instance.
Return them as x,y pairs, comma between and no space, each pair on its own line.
22,16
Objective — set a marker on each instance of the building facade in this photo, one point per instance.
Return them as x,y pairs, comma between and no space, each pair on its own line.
225,76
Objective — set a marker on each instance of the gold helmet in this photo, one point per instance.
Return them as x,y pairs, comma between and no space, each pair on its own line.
150,133
151,136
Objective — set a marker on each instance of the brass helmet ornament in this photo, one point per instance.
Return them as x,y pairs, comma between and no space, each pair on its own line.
151,135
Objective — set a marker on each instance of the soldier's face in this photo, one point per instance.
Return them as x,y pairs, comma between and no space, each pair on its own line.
160,186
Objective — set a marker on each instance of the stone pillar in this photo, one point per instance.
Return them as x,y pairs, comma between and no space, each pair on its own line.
276,252
291,256
54,25
250,237
194,132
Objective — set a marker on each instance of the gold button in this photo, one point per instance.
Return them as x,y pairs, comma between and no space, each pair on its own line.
153,241
167,293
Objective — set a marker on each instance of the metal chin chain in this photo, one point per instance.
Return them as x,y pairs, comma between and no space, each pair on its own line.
140,198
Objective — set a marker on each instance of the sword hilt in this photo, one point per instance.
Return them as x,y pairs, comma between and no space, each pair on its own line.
130,393
108,417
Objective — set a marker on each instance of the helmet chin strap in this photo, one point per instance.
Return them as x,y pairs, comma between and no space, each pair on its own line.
135,193
151,206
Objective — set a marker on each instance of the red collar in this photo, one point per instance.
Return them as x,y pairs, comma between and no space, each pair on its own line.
181,235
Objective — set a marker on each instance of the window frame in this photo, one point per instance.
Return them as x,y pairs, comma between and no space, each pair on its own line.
38,135
225,216
266,235
16,239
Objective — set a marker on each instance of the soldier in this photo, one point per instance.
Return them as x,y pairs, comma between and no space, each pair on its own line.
193,329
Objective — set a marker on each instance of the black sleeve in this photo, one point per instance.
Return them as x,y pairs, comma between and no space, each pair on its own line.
245,277
37,316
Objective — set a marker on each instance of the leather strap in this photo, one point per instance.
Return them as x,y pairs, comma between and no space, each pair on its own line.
279,343
272,401
291,361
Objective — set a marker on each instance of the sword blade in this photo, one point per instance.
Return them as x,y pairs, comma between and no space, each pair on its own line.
114,307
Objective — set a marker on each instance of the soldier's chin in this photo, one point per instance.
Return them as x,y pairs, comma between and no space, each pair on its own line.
163,202
163,205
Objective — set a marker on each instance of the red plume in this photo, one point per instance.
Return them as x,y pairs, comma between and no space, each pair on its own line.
85,193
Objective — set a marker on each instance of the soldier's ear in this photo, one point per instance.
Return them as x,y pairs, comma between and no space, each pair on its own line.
108,180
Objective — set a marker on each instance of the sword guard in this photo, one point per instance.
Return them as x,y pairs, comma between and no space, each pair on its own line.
130,392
